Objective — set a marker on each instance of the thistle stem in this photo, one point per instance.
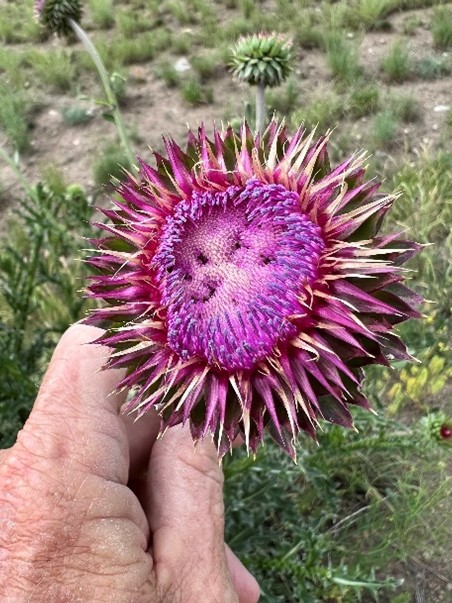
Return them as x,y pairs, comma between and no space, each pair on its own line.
260,108
111,97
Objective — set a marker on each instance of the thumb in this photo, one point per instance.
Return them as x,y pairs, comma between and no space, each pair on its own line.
186,516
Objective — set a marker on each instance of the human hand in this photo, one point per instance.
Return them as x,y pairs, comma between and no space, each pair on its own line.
93,508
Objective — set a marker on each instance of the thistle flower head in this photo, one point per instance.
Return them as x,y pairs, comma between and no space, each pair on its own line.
54,14
262,59
247,287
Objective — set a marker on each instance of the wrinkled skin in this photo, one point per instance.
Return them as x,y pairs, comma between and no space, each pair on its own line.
93,508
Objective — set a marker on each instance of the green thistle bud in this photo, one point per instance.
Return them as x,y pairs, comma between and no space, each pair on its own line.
55,14
262,59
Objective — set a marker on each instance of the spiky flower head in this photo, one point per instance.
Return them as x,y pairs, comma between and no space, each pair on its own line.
262,59
247,287
54,15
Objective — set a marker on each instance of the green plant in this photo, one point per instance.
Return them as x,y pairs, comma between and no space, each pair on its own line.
363,99
169,74
324,110
39,277
194,93
130,24
76,115
285,101
206,66
405,107
384,129
441,26
110,165
54,67
13,117
342,58
102,13
396,65
433,67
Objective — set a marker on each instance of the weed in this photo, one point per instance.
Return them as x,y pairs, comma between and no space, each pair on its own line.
110,165
324,110
342,58
182,43
196,94
13,118
441,26
76,115
384,129
396,65
411,25
284,100
138,49
169,74
363,99
54,67
206,66
433,67
248,8
405,107
131,23
102,13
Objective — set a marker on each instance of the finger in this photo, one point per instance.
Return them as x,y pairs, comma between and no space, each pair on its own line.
245,583
186,516
141,435
75,418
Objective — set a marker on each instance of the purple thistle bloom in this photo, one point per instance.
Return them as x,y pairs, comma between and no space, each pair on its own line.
247,287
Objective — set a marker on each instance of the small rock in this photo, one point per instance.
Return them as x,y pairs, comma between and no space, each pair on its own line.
434,127
370,50
76,142
406,130
382,41
138,74
441,108
350,35
426,140
182,65
53,113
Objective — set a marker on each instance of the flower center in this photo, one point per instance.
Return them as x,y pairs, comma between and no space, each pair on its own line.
231,267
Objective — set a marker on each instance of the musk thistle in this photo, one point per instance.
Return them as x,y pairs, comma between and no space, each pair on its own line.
262,60
247,285
55,15
63,18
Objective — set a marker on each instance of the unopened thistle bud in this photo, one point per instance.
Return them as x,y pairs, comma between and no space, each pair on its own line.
54,15
262,59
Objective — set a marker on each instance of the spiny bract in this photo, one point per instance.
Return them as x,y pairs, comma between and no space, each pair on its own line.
246,286
54,14
262,59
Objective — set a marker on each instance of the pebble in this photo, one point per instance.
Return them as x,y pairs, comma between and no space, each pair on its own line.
434,127
182,65
137,73
53,113
441,108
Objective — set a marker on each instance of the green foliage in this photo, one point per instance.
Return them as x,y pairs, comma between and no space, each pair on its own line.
324,109
13,117
169,74
384,129
342,58
194,93
363,99
441,26
295,526
396,65
110,165
76,115
102,13
433,67
40,277
53,67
